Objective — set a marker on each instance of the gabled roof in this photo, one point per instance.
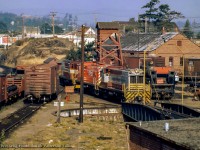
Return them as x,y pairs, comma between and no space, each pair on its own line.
107,25
140,42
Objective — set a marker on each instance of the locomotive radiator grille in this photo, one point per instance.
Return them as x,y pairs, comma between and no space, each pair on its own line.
135,91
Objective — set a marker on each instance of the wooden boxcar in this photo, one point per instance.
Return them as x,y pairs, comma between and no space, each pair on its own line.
17,80
42,81
2,88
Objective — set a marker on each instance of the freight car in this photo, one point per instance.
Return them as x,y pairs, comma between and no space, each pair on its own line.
11,85
41,81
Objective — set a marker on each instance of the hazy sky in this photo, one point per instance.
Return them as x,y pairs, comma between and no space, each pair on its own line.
102,10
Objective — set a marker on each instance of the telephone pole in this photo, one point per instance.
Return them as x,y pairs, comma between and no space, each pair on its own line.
22,26
82,74
53,14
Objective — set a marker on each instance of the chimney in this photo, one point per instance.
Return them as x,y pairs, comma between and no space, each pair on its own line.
163,30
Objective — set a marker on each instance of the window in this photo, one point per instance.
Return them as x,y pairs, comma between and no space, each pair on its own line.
179,43
181,61
171,61
191,63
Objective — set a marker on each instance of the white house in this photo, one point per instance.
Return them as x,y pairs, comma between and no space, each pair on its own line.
75,36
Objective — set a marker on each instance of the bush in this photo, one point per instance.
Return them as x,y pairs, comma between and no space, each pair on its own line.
19,42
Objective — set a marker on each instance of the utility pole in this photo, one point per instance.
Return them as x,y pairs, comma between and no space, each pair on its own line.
58,109
22,27
53,14
82,74
146,25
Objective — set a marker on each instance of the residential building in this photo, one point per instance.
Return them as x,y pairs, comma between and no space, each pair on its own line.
75,36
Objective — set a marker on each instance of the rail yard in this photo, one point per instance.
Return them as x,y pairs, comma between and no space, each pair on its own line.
118,96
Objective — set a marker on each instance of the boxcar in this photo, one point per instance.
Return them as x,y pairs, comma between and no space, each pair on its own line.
42,82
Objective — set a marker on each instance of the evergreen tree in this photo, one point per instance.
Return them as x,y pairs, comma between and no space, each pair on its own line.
151,12
46,29
198,35
3,27
187,29
160,16
76,54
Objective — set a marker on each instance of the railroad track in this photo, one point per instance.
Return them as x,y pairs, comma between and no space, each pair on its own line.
170,114
18,117
9,122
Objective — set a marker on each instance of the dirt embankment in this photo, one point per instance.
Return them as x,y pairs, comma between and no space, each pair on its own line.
35,51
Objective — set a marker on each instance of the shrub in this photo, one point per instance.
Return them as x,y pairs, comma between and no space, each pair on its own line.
19,42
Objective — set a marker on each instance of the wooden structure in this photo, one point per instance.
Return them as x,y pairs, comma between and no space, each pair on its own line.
42,80
2,88
17,80
154,135
108,43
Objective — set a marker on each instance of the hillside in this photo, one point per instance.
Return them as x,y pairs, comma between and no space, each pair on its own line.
35,51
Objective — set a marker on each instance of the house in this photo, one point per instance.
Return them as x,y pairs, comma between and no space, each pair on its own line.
173,46
31,31
75,36
5,40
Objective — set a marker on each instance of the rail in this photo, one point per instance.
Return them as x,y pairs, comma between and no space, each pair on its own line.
17,117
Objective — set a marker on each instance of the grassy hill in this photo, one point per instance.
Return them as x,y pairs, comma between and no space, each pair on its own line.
35,51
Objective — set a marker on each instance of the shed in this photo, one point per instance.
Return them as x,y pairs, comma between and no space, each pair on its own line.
182,134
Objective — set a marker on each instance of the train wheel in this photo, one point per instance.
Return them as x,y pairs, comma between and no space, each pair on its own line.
96,92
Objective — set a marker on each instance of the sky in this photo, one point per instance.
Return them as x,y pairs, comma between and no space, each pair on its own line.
89,11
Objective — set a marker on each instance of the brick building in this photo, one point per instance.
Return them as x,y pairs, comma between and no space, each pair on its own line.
174,46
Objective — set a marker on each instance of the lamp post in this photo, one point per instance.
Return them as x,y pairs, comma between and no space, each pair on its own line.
183,81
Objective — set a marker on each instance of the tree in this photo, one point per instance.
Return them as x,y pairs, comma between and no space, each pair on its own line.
187,29
76,54
151,12
3,27
46,29
160,16
165,13
198,35
58,30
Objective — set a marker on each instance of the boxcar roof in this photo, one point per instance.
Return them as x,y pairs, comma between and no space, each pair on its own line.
6,70
182,131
